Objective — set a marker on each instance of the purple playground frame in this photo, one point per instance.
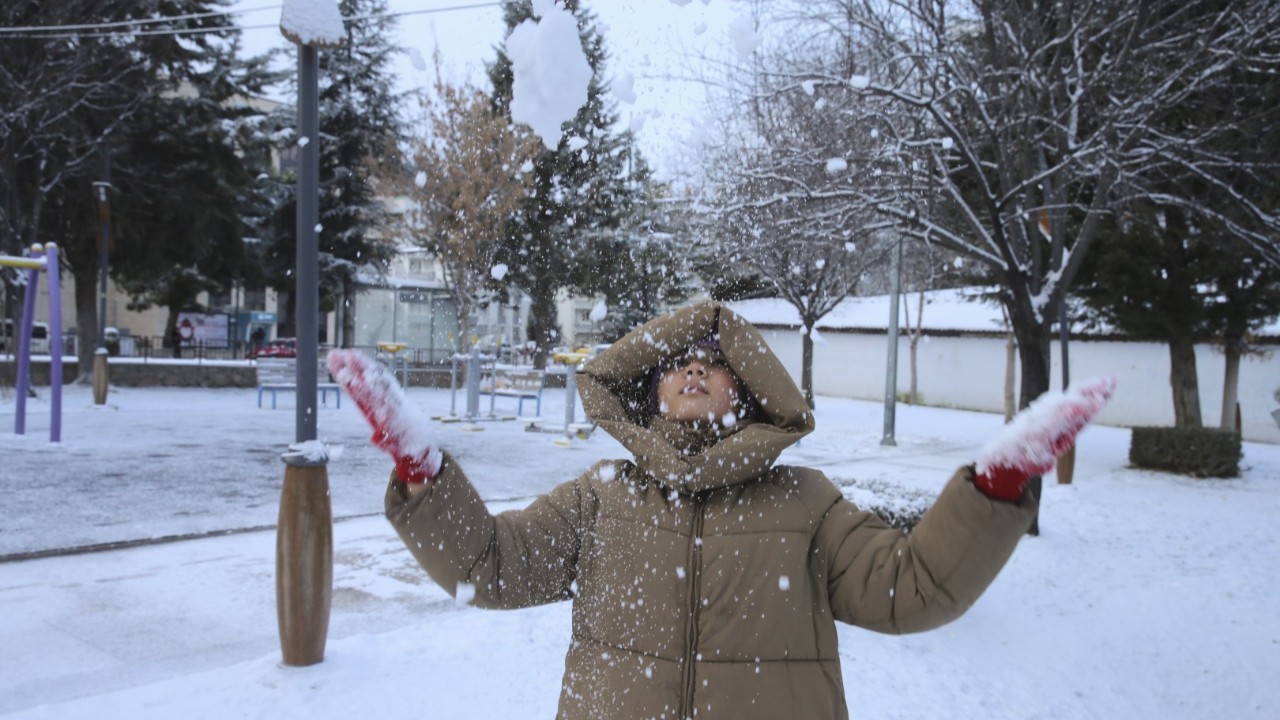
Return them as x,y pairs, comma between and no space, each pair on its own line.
40,258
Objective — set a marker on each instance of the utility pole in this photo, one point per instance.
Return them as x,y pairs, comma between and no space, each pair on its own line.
891,371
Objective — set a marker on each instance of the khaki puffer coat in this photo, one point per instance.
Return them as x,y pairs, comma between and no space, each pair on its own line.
707,583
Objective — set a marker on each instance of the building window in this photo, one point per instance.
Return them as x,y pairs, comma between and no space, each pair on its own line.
255,299
219,300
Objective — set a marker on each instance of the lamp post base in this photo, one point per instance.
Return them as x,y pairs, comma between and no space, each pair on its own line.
304,562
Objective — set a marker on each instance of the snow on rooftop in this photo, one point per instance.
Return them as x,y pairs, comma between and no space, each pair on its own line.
961,309
958,309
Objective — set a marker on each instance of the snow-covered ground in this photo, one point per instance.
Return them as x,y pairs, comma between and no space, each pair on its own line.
1146,596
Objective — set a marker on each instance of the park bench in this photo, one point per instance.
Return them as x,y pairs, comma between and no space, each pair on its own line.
280,374
522,385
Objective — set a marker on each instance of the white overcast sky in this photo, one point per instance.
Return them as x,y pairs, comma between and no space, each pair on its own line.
654,40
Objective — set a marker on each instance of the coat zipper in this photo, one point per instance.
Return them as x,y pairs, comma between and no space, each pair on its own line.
695,592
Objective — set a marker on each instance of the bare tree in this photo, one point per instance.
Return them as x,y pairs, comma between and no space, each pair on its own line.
62,102
1033,120
779,185
471,173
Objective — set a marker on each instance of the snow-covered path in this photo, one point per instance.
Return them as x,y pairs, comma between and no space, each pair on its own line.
1146,596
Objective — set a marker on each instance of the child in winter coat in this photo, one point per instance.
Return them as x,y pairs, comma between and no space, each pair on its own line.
705,579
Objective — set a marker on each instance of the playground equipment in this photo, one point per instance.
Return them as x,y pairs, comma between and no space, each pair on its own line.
40,258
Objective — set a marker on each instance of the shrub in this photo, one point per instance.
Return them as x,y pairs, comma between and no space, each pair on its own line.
1199,452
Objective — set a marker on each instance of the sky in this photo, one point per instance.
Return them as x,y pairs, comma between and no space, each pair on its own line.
1147,595
654,42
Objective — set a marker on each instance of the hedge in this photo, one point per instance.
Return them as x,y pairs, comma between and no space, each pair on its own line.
1199,452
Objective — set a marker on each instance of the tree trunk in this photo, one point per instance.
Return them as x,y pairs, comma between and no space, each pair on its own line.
86,279
542,320
1231,385
915,344
348,302
286,310
1183,378
806,364
1010,375
1033,352
171,330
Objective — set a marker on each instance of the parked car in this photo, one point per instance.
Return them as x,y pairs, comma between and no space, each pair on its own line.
278,348
39,337
577,355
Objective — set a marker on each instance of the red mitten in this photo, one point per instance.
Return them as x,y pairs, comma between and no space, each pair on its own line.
397,428
1030,445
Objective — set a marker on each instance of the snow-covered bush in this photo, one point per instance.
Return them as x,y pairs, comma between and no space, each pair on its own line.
1199,452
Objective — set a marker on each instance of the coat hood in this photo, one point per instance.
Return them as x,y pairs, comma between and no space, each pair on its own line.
615,391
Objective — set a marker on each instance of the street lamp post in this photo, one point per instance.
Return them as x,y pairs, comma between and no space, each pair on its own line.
304,535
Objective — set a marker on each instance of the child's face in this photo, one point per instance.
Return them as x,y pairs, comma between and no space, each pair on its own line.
697,391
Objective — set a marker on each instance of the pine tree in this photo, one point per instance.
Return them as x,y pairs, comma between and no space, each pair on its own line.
185,180
69,104
359,130
581,196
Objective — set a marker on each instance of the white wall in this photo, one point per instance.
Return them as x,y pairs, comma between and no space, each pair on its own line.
968,373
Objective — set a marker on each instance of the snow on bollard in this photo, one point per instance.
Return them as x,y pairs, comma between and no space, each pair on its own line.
550,72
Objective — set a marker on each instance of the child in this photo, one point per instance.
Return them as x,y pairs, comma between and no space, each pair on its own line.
705,579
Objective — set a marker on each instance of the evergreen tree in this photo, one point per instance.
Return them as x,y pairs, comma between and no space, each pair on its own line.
187,185
69,104
581,195
656,273
359,131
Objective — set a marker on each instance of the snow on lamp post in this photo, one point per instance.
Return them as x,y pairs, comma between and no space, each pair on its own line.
304,535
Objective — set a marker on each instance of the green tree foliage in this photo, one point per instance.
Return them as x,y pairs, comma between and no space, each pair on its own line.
359,131
581,195
187,185
652,253
68,100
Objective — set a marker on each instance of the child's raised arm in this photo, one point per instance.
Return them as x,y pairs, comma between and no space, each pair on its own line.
397,428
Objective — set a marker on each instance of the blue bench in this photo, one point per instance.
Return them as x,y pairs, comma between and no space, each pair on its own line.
520,385
281,374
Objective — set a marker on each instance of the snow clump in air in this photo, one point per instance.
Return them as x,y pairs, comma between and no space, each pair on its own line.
550,73
466,593
599,312
312,22
836,165
745,38
499,271
416,60
624,88
420,179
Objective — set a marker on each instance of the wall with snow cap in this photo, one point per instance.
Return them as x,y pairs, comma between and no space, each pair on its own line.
967,372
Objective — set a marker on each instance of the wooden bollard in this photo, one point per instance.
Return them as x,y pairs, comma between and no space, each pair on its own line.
304,560
100,379
1067,466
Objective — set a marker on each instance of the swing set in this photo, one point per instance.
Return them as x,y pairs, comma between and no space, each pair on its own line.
41,257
